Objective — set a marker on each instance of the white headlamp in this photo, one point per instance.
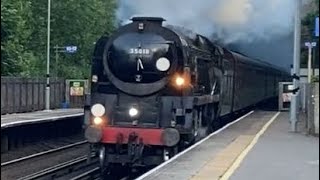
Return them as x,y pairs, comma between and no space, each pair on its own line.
133,112
98,110
163,64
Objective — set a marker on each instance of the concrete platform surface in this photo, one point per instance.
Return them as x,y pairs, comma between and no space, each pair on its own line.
281,155
10,120
261,138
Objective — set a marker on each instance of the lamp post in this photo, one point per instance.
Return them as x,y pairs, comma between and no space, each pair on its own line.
296,67
310,45
47,99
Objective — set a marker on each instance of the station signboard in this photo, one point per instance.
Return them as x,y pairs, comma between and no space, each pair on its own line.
71,49
76,88
285,95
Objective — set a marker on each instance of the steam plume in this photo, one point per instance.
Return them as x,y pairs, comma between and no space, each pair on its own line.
227,20
261,29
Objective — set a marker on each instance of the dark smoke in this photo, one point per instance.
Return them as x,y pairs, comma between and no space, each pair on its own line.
279,51
258,28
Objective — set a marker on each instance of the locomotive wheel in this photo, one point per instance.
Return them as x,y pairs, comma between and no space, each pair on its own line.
196,130
102,160
196,123
216,122
211,118
207,119
201,120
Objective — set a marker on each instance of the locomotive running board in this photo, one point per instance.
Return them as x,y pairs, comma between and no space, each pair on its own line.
206,99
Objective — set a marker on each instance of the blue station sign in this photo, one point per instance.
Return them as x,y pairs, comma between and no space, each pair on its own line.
71,49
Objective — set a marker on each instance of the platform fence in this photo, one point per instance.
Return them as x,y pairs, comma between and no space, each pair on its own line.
19,95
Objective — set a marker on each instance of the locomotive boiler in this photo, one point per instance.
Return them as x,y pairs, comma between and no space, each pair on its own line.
157,89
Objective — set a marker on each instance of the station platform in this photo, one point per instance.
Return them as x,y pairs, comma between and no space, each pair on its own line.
257,146
11,120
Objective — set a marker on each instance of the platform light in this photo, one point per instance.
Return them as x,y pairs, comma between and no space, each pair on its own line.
133,112
98,110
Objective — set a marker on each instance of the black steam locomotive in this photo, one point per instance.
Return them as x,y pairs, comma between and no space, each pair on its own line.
156,89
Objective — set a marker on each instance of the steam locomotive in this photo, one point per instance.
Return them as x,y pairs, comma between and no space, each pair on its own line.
156,89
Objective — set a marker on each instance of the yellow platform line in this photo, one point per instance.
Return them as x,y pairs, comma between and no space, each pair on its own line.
214,169
244,153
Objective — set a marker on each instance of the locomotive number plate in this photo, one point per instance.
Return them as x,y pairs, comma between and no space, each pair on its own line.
139,51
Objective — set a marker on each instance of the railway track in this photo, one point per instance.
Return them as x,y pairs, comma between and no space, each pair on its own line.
94,174
42,153
76,168
88,174
48,162
65,169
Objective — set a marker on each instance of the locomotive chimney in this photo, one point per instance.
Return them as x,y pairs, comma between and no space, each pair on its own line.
155,20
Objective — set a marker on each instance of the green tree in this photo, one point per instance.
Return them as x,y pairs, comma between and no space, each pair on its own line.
15,31
308,28
80,23
73,22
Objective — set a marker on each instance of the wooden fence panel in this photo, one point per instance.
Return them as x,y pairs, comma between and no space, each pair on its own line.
10,96
28,94
23,95
16,95
42,91
4,96
35,93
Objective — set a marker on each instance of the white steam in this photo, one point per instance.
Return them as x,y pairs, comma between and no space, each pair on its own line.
226,20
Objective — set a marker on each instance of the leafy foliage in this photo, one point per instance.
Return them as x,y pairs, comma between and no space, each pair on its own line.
308,29
14,36
73,22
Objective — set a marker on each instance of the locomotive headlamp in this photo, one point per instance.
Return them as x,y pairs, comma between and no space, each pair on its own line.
133,112
163,64
180,81
98,110
97,120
